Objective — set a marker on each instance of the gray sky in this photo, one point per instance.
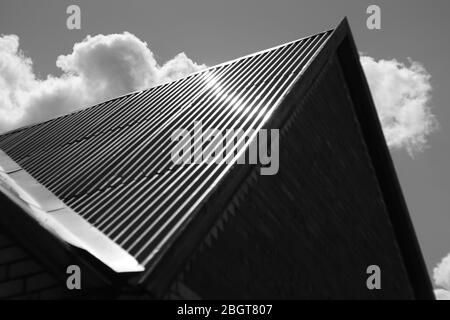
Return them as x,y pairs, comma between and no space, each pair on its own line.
210,32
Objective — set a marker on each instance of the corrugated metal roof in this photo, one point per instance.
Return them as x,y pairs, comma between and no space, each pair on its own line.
111,162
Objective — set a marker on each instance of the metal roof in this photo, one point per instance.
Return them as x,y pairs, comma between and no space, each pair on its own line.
110,163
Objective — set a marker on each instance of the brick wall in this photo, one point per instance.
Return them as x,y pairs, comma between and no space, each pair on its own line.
312,230
22,276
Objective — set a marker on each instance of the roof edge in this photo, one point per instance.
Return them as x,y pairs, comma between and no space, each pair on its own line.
384,166
53,216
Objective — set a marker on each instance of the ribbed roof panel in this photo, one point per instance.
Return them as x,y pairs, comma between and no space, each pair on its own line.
111,162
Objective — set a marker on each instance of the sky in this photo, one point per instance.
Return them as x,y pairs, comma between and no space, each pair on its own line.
47,69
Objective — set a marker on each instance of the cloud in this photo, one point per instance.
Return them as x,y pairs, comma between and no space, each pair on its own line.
441,275
402,95
99,68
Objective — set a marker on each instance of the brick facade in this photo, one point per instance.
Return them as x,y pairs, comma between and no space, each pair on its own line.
22,276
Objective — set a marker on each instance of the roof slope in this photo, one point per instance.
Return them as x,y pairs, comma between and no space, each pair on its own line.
111,163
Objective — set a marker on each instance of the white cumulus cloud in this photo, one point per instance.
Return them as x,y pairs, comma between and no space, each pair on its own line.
99,68
402,95
441,275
